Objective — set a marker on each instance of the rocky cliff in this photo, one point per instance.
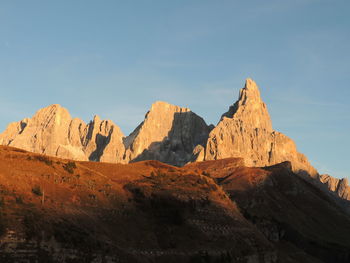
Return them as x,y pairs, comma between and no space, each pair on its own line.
245,130
169,134
52,131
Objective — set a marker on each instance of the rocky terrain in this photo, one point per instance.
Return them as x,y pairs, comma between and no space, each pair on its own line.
172,135
59,210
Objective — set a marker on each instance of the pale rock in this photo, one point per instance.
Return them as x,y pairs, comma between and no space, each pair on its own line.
169,134
338,186
52,131
246,131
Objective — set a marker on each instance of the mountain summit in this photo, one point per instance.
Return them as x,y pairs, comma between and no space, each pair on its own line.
245,130
250,108
169,134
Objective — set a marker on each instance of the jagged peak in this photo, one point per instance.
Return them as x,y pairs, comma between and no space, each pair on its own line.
250,92
250,108
250,84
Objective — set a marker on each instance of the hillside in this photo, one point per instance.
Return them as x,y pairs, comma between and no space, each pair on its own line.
58,210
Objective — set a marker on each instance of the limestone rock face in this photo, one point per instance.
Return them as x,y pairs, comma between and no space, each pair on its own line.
169,134
52,131
246,131
338,186
250,108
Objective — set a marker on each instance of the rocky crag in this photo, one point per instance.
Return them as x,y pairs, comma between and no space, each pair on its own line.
170,134
52,131
245,130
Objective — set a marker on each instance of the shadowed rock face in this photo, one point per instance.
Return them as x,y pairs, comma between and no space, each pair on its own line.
168,134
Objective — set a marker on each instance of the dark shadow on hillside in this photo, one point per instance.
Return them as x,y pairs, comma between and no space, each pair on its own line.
288,208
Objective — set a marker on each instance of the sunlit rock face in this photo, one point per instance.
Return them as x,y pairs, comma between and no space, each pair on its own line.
245,130
338,186
169,134
52,131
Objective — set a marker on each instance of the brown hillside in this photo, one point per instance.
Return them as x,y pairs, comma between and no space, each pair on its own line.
56,210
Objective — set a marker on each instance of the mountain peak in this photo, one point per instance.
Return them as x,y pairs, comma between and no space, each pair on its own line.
250,84
250,109
54,112
250,92
53,108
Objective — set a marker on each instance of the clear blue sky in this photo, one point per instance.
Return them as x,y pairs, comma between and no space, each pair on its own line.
115,58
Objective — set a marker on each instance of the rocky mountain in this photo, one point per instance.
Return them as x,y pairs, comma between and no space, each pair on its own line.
52,131
245,130
59,210
169,134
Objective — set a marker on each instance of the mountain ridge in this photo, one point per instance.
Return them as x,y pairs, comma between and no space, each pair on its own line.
170,134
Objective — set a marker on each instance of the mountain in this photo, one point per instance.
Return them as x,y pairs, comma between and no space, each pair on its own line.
245,130
59,210
52,131
170,134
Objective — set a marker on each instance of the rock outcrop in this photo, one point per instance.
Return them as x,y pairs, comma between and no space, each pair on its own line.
245,130
338,186
168,134
52,131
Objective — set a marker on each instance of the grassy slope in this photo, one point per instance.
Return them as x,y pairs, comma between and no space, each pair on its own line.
68,211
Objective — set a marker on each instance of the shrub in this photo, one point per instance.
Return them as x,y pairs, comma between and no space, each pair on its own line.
69,167
37,190
44,159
